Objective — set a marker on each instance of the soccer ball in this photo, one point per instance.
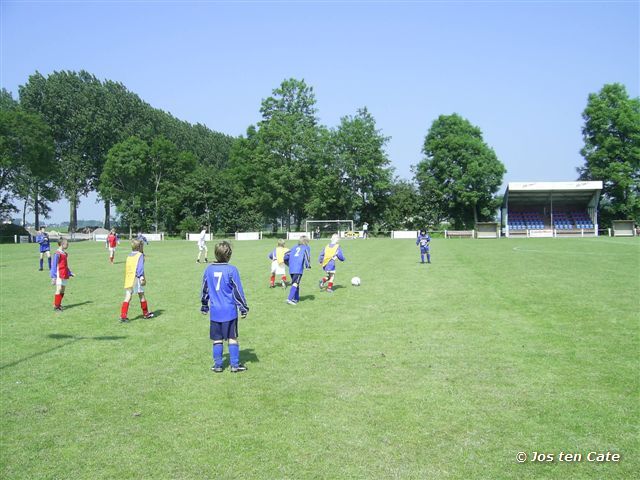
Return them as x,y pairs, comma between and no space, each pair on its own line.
355,281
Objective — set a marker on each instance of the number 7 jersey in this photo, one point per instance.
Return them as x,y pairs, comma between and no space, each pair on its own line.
222,292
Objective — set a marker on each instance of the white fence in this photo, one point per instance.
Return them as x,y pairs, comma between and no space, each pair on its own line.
194,237
21,238
248,235
151,237
297,235
404,234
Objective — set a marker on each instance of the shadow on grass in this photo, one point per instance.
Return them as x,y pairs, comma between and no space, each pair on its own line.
156,314
69,340
73,305
307,297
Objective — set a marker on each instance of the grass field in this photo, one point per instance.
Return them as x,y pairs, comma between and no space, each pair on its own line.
445,370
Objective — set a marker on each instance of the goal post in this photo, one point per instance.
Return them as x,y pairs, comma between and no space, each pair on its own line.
333,226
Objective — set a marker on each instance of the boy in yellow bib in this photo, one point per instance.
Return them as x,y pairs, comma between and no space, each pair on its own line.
134,281
278,265
327,259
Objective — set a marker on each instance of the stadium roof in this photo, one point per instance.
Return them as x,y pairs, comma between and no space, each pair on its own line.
537,193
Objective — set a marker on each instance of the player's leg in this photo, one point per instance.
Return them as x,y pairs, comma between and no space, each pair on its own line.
428,255
41,260
421,255
272,280
215,334
206,254
49,259
57,299
298,289
323,280
124,309
283,275
293,292
143,303
330,281
234,348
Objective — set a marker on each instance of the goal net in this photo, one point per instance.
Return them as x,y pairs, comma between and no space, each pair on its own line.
326,228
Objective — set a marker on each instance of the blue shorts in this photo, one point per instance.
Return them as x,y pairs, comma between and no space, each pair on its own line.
424,249
296,278
45,248
223,330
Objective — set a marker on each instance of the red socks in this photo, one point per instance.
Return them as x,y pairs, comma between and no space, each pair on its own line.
273,280
111,259
284,278
57,300
145,309
330,285
124,309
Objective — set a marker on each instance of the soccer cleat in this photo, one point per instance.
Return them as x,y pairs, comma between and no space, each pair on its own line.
40,269
198,261
239,368
58,309
149,315
206,260
217,369
291,302
329,290
283,284
321,284
124,319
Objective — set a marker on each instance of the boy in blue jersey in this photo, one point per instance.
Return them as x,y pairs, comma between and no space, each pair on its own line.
327,259
423,240
42,238
298,259
222,297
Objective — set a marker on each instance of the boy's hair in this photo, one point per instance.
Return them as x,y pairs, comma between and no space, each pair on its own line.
303,240
223,252
423,232
62,241
334,238
281,242
137,245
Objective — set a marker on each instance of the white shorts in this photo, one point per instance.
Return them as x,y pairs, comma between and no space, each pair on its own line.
277,269
62,282
112,250
137,287
203,248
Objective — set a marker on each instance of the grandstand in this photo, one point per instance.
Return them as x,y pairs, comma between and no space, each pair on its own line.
550,209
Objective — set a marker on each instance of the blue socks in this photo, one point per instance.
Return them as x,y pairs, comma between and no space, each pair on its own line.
42,263
428,257
293,293
217,354
422,257
49,260
234,354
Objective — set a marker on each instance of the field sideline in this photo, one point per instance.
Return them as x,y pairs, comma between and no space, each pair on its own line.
445,370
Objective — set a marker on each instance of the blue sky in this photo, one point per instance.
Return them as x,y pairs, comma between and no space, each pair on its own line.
519,70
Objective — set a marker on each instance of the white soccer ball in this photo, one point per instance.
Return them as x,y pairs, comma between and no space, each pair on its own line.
355,281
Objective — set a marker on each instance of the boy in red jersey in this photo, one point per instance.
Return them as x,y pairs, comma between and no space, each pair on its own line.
60,273
112,243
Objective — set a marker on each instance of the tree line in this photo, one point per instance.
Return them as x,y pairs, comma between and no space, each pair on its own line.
71,133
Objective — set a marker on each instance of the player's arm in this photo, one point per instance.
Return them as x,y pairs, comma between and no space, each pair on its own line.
238,293
204,295
340,255
307,258
287,255
140,270
321,257
54,266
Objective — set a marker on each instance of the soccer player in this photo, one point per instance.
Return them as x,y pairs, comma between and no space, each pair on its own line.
222,297
202,245
134,281
60,273
277,264
423,240
112,242
142,238
327,259
298,259
43,239
365,230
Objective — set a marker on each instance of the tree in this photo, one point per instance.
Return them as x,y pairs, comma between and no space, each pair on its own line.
611,151
66,101
285,153
460,173
124,179
27,168
363,165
